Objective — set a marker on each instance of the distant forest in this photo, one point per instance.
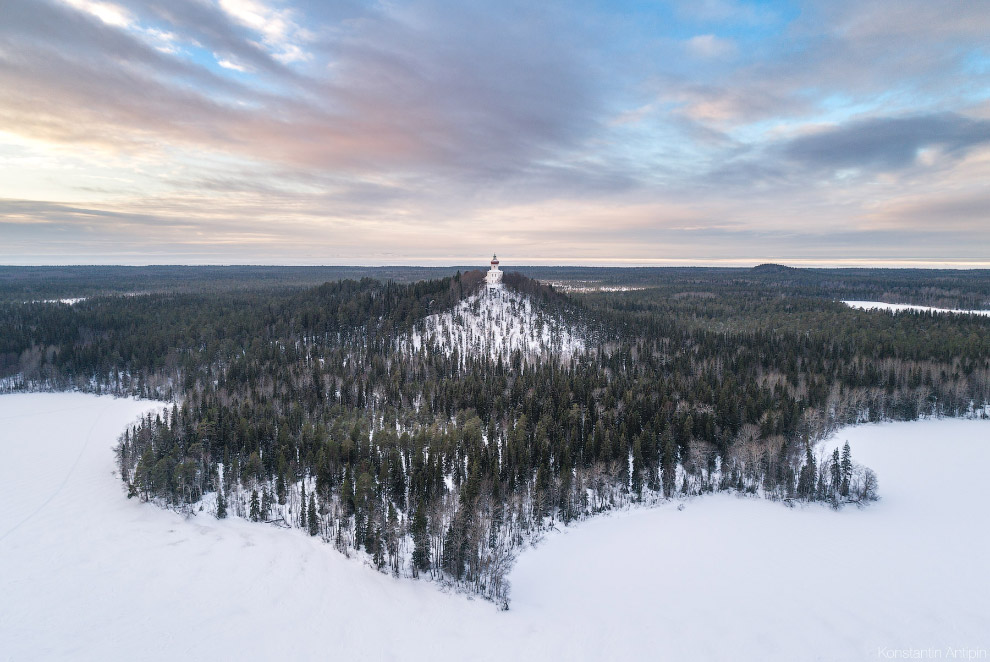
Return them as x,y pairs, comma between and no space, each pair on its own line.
297,404
941,288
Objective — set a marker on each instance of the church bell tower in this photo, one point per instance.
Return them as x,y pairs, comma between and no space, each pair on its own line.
493,279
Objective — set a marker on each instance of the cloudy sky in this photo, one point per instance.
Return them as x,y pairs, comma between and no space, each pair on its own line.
315,132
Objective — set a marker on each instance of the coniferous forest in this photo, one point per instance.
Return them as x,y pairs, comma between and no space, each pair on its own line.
305,405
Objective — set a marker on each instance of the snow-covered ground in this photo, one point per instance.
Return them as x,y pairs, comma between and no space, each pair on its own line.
740,579
497,324
900,307
584,286
69,302
87,574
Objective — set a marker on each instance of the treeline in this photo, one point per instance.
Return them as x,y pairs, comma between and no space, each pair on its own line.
39,283
941,288
298,408
150,341
944,288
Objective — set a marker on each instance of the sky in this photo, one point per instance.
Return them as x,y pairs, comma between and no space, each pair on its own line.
840,132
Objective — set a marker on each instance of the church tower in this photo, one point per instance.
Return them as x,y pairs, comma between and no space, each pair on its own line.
493,279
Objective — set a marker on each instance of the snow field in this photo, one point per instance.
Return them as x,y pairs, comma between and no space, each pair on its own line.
730,578
87,574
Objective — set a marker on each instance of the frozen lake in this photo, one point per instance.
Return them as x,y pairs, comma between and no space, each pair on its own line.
89,574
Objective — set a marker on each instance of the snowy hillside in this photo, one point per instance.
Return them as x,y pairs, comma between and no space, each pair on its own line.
91,575
498,323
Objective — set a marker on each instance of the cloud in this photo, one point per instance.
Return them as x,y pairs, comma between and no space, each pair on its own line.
227,64
723,10
461,92
724,107
439,127
107,12
278,27
207,25
888,143
710,46
958,211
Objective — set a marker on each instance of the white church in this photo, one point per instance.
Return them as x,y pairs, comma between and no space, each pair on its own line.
493,279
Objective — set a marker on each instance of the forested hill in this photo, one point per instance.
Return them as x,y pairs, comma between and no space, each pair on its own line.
179,333
172,335
303,406
522,321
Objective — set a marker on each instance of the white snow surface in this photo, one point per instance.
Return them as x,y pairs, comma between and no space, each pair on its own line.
901,307
86,574
70,302
496,323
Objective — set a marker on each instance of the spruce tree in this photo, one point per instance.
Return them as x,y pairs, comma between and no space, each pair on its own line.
359,528
846,469
807,480
266,503
637,468
836,471
377,549
421,541
347,495
221,506
314,523
668,462
255,506
302,506
495,528
371,531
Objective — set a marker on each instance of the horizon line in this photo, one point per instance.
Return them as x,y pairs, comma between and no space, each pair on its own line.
528,261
